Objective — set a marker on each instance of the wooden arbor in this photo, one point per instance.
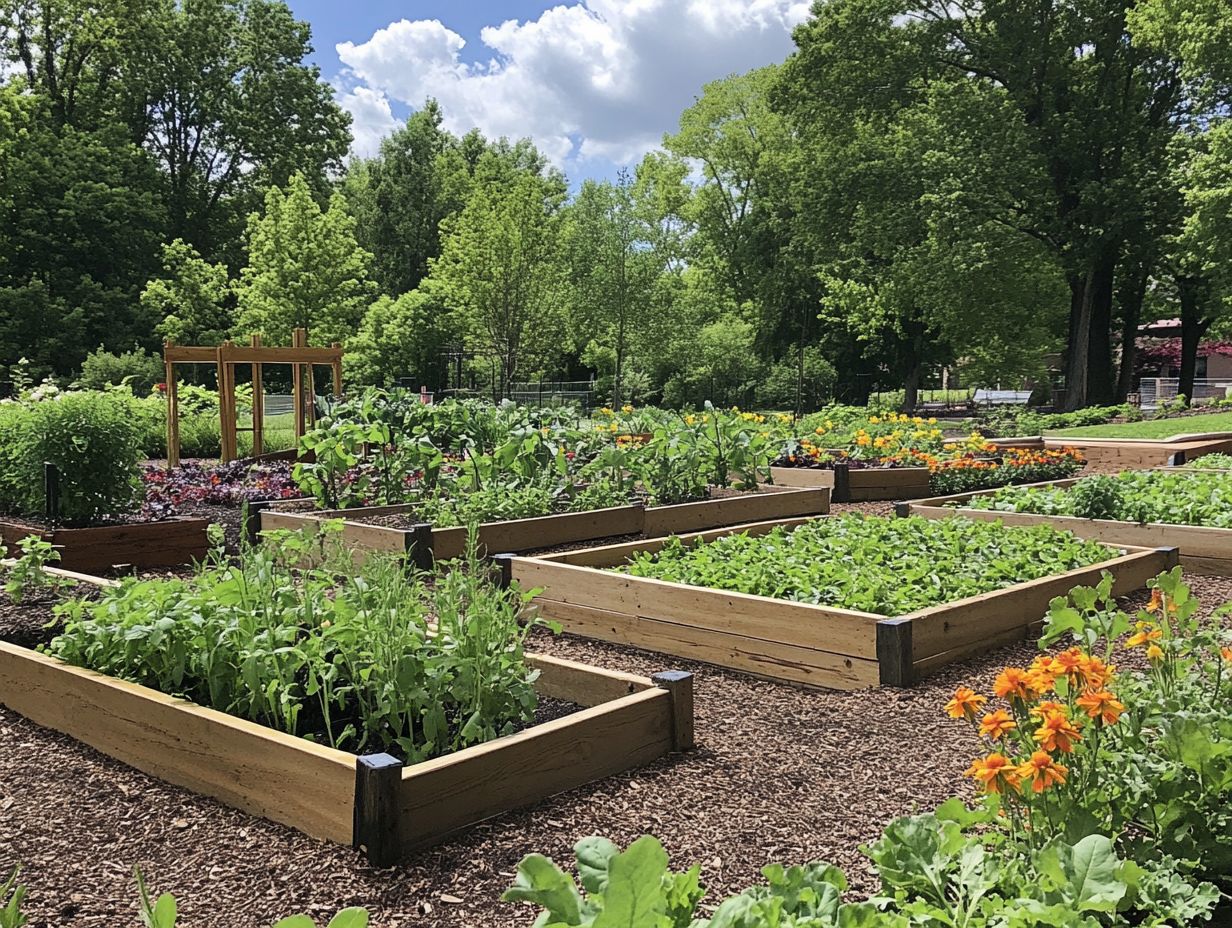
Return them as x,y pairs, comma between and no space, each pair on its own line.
225,357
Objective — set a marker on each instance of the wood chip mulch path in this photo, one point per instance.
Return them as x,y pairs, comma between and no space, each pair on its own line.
781,774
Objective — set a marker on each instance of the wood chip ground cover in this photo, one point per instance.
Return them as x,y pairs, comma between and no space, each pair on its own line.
781,775
874,564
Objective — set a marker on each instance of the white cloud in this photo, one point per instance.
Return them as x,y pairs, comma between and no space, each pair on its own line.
601,79
372,119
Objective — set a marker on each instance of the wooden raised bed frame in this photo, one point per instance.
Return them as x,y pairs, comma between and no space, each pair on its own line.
1203,550
820,646
849,485
169,542
1129,453
427,543
371,801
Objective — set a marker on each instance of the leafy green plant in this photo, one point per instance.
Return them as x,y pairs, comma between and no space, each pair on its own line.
94,441
27,577
874,564
337,654
12,894
1176,496
936,870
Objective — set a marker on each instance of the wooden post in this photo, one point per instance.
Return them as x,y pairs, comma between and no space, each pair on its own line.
173,410
894,652
298,340
251,514
419,545
842,483
504,569
1172,554
51,492
378,778
902,509
258,404
336,368
226,404
679,686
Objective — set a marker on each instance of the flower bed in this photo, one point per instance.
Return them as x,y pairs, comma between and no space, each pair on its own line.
1173,507
434,674
719,596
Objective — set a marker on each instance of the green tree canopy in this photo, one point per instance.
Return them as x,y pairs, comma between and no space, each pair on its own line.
305,269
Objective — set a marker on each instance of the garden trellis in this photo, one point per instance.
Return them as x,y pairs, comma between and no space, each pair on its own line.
226,357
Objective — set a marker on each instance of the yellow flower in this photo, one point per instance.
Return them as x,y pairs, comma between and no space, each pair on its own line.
626,408
1154,653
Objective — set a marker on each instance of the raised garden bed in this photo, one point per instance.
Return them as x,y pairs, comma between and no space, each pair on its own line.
1202,549
814,645
856,484
169,542
372,802
1134,453
361,530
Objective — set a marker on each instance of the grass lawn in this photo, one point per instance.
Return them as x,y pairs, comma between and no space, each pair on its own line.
1158,428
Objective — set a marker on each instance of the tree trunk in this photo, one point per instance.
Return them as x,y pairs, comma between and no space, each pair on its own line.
1131,316
1101,381
1076,351
1193,327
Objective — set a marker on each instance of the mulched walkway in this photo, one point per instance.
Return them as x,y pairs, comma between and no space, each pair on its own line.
781,774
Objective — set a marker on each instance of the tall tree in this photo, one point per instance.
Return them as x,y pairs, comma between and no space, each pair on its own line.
225,101
193,299
401,196
608,243
305,269
80,223
499,268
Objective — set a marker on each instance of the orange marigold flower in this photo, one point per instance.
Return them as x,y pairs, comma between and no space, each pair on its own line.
1102,705
1045,708
966,704
1012,683
1058,733
1041,681
1042,771
1096,674
996,725
996,773
1226,654
1045,664
1071,662
1154,653
1157,600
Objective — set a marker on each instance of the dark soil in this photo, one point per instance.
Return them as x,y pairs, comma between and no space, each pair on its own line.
780,774
26,623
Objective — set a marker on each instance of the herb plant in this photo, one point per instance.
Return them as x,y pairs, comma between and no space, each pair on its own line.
27,576
873,564
374,658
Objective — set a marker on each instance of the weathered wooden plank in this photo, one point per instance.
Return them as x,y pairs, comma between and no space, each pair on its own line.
167,543
771,660
802,477
442,796
307,786
981,618
540,532
582,684
783,503
611,555
840,631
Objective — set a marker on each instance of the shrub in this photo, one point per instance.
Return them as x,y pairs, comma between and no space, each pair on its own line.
137,369
93,438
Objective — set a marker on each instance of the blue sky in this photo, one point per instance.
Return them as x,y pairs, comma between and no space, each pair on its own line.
595,83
